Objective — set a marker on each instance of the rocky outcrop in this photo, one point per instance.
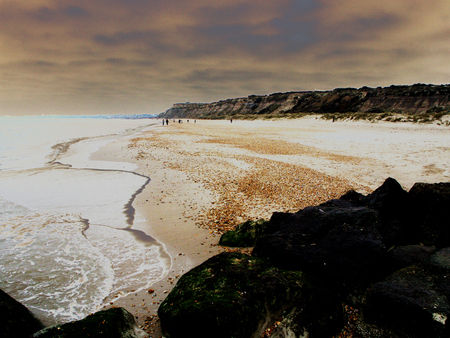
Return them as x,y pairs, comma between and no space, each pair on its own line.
15,319
18,322
235,295
338,243
413,301
319,314
385,256
430,212
415,99
111,323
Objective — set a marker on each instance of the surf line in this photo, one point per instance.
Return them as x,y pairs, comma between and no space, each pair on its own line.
129,210
62,148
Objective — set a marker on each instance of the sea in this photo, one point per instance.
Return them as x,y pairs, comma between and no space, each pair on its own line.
67,240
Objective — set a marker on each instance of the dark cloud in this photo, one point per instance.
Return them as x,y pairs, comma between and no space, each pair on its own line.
75,11
58,14
123,38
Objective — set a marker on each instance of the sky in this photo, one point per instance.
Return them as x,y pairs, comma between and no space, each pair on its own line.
78,57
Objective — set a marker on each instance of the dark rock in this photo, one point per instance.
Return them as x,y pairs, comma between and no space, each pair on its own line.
395,207
439,265
317,221
342,203
441,260
245,234
320,316
431,204
411,303
230,295
339,245
16,319
111,323
354,196
389,199
276,220
404,256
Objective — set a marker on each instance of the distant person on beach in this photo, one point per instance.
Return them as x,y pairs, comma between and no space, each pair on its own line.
163,122
231,120
167,122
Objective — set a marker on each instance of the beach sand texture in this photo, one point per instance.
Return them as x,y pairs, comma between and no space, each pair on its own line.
208,176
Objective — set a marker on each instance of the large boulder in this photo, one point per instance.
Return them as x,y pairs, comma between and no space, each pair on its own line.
412,302
245,234
111,323
15,319
389,199
431,203
403,256
336,242
320,315
394,206
231,295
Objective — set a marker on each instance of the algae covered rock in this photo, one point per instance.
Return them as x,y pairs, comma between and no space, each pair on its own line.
16,320
230,295
111,323
245,234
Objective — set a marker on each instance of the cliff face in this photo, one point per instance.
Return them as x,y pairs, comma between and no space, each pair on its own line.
415,99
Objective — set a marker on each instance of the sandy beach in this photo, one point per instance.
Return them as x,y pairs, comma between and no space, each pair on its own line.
208,176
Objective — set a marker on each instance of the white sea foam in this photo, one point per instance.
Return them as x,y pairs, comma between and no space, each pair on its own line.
66,237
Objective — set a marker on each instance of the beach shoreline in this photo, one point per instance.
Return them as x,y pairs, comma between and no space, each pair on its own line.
210,175
165,221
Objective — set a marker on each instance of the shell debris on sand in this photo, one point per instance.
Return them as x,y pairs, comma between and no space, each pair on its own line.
235,166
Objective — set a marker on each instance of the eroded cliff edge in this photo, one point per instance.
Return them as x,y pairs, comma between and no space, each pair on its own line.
417,99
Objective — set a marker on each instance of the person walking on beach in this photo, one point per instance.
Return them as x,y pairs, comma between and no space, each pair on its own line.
167,122
163,121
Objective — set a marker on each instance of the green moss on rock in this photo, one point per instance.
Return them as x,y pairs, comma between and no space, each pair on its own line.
245,234
230,295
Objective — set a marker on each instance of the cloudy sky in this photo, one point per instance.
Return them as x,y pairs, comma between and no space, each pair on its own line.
141,56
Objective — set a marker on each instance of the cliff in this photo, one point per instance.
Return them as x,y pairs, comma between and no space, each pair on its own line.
415,100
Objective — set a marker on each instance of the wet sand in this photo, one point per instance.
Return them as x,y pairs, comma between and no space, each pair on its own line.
208,176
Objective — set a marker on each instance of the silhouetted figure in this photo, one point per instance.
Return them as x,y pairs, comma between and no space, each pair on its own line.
167,121
231,120
163,122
